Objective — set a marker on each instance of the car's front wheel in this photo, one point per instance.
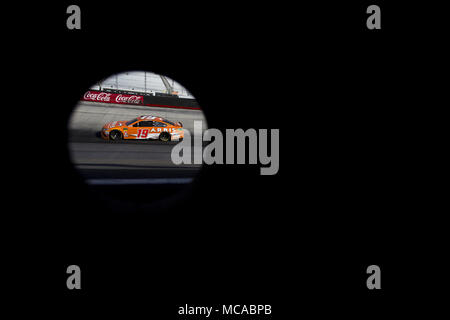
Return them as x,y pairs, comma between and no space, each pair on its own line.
115,135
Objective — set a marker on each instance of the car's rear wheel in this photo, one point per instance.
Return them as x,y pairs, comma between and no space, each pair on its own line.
165,136
115,135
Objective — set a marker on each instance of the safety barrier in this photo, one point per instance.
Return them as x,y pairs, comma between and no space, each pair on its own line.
135,99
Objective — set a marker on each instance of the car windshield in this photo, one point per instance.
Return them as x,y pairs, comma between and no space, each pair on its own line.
131,121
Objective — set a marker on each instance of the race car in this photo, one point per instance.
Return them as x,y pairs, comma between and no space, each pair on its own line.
143,127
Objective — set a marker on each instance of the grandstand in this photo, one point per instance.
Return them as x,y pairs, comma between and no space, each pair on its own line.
146,83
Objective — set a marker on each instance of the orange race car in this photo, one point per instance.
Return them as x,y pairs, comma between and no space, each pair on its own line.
143,127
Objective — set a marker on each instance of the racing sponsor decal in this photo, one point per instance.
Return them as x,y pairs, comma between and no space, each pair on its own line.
163,130
151,133
106,97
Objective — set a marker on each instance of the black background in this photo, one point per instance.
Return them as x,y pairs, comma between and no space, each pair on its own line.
353,108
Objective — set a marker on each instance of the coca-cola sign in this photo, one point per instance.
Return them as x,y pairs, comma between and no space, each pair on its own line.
106,97
97,96
124,98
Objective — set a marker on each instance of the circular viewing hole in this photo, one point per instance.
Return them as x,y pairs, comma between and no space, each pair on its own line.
122,133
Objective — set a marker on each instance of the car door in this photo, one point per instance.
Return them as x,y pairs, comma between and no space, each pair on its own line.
143,129
131,131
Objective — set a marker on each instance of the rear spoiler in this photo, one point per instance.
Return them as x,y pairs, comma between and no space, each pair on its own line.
179,124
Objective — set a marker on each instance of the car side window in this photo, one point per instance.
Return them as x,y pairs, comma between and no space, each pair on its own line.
159,124
146,124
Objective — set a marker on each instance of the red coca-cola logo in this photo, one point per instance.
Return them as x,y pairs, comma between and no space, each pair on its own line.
128,99
101,96
112,97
